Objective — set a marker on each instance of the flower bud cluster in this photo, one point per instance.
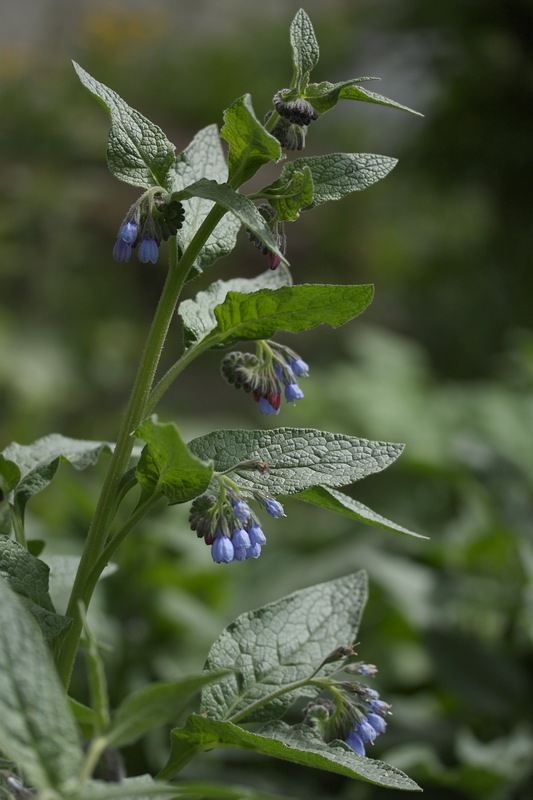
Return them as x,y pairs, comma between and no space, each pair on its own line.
228,525
295,115
358,715
266,375
152,219
268,213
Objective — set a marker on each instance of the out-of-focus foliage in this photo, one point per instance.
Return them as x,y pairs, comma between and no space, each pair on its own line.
443,360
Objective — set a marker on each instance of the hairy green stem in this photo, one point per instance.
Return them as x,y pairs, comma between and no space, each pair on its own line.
278,693
135,412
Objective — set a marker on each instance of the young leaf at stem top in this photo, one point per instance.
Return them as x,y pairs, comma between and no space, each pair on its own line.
305,51
250,145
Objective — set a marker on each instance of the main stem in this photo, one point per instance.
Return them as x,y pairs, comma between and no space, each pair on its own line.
133,416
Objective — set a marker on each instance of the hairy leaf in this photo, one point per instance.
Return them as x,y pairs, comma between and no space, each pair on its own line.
198,315
293,308
325,95
37,730
167,465
299,744
250,145
203,158
305,51
336,175
289,197
138,152
28,577
280,644
297,458
343,504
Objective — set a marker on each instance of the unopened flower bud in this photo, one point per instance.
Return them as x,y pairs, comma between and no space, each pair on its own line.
297,110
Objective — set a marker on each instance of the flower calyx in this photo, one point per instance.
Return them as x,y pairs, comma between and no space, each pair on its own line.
278,231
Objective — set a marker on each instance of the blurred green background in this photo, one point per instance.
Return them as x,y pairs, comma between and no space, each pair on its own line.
443,359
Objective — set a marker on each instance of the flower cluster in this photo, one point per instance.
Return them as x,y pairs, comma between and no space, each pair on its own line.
295,115
152,219
229,526
278,231
358,714
266,375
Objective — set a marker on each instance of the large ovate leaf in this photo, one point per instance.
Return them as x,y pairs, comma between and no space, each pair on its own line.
250,145
167,466
280,644
305,51
288,197
261,314
341,503
203,790
28,577
30,468
336,175
296,458
198,315
239,205
138,152
325,95
203,158
140,787
154,705
299,744
37,730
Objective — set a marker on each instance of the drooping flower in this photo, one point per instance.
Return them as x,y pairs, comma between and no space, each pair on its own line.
154,217
121,250
294,109
222,550
148,250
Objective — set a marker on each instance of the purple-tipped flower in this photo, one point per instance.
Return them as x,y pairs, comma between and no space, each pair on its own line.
222,550
128,231
121,250
274,508
148,250
355,742
241,510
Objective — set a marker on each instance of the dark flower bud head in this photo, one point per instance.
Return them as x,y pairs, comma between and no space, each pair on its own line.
201,517
289,135
298,110
241,370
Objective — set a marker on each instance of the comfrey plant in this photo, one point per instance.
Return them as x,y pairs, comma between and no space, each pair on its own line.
299,647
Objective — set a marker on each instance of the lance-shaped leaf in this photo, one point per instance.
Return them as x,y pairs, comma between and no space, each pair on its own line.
28,577
250,145
297,458
238,204
336,175
325,95
289,197
305,51
37,730
203,158
167,465
28,469
333,500
279,645
299,744
138,152
154,705
198,315
293,308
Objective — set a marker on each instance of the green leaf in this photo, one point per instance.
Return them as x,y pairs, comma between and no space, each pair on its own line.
250,145
223,791
138,152
167,465
30,468
325,95
37,730
343,504
293,308
140,787
336,175
305,51
280,644
28,577
238,204
289,197
297,458
203,158
299,744
154,705
198,315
